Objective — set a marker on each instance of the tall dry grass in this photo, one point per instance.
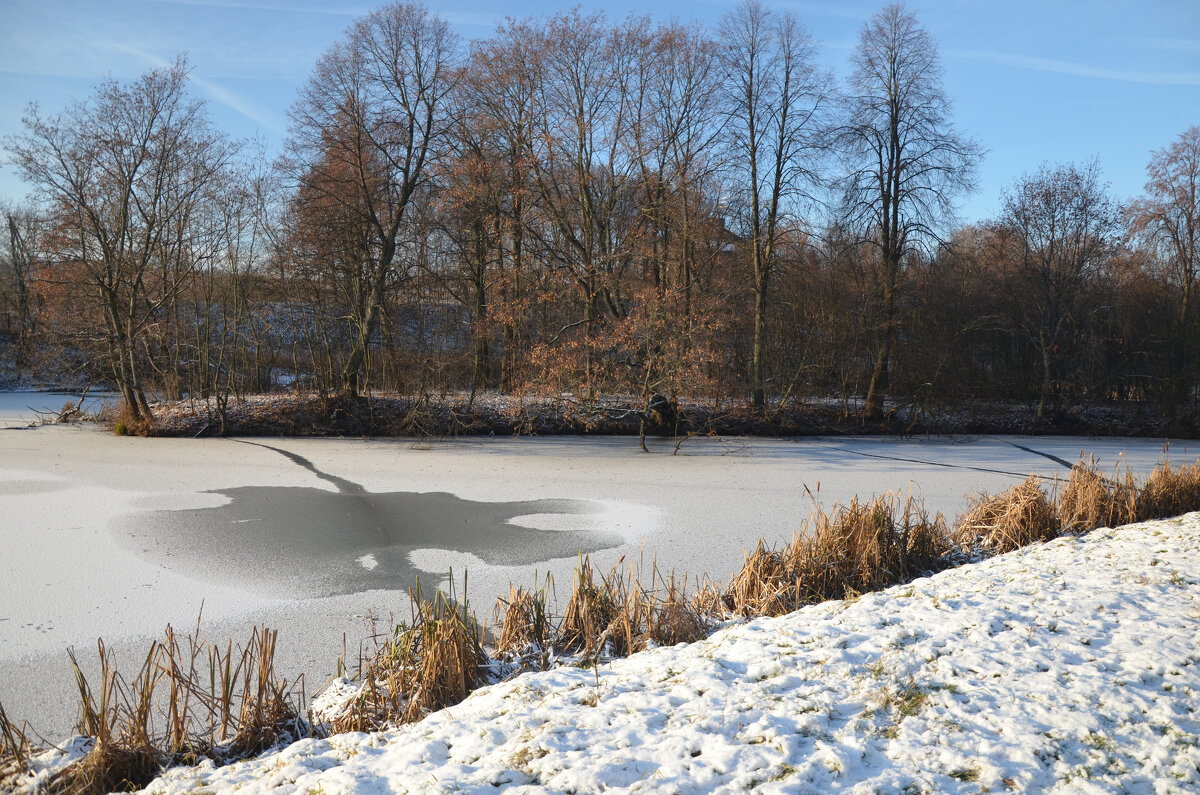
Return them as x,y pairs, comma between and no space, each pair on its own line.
1001,523
526,627
1089,499
187,700
432,661
1169,491
848,550
617,614
15,748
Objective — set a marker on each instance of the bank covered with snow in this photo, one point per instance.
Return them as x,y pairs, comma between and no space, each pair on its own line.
1073,665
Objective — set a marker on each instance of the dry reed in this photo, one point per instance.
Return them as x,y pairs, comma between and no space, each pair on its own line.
526,630
1169,491
432,662
1020,516
848,550
15,748
220,704
1090,500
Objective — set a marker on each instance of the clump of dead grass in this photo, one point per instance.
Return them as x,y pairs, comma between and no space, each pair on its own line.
191,700
672,616
15,748
188,700
1090,500
593,608
848,550
431,662
526,628
1012,519
124,423
1169,491
616,614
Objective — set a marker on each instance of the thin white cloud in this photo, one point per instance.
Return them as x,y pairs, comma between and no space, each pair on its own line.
1081,70
217,92
1177,45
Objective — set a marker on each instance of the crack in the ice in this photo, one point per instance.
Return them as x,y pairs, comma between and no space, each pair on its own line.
930,463
344,486
1050,456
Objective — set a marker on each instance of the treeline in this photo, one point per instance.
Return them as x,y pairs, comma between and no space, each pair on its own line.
579,206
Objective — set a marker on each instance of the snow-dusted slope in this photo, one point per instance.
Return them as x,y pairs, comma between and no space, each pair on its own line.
1072,665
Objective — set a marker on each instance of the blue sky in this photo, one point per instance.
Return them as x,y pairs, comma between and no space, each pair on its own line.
1031,80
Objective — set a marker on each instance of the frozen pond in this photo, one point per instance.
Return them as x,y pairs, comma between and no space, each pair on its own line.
21,409
116,537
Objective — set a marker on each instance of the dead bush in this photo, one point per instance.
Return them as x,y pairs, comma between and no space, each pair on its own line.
595,604
15,749
672,617
525,625
220,704
763,586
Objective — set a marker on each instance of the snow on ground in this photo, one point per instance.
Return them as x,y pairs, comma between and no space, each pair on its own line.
1071,666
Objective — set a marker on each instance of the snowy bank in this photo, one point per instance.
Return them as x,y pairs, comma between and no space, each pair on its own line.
1070,665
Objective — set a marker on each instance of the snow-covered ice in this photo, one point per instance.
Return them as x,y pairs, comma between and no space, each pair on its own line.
1070,666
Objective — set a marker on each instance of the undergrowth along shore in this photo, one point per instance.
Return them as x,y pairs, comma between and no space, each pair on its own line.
484,413
192,700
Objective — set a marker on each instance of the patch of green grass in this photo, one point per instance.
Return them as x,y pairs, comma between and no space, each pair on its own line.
965,774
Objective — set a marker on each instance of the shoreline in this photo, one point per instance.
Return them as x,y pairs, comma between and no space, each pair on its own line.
492,414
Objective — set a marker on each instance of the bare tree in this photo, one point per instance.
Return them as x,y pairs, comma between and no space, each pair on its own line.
677,129
368,125
120,176
584,167
1061,222
777,103
17,272
908,161
1167,221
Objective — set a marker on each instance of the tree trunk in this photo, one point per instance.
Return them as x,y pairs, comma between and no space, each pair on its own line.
878,386
1045,390
758,394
